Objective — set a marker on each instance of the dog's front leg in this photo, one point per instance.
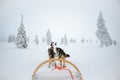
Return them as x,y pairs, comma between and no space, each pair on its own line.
49,65
60,63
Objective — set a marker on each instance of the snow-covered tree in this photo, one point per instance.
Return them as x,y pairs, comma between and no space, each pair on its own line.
43,40
72,40
36,40
21,40
90,41
28,39
114,42
2,39
102,32
62,40
48,37
82,40
65,40
11,38
87,41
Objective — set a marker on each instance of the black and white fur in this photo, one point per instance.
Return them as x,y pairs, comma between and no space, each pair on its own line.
62,55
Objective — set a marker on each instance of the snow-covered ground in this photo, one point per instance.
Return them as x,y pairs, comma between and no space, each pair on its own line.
95,63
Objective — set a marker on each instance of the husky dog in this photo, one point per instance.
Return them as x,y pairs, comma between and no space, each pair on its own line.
62,55
51,53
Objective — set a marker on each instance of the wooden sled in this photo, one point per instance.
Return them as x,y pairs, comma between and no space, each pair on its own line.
66,61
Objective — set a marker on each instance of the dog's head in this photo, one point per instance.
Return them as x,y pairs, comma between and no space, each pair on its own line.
58,50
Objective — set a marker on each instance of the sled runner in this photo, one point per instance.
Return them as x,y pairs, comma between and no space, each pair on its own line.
57,72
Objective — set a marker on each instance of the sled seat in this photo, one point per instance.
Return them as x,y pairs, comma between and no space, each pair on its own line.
56,75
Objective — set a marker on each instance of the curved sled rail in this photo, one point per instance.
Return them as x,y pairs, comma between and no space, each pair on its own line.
50,60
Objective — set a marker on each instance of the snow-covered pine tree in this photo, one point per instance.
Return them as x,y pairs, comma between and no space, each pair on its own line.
62,40
48,37
90,41
43,40
28,39
2,39
36,40
65,40
102,32
72,40
11,38
114,42
82,40
21,40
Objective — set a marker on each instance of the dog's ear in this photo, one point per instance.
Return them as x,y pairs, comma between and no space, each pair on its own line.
55,44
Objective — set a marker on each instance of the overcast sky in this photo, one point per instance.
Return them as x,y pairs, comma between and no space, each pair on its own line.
76,18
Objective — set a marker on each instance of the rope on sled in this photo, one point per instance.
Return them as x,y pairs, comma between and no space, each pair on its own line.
64,68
